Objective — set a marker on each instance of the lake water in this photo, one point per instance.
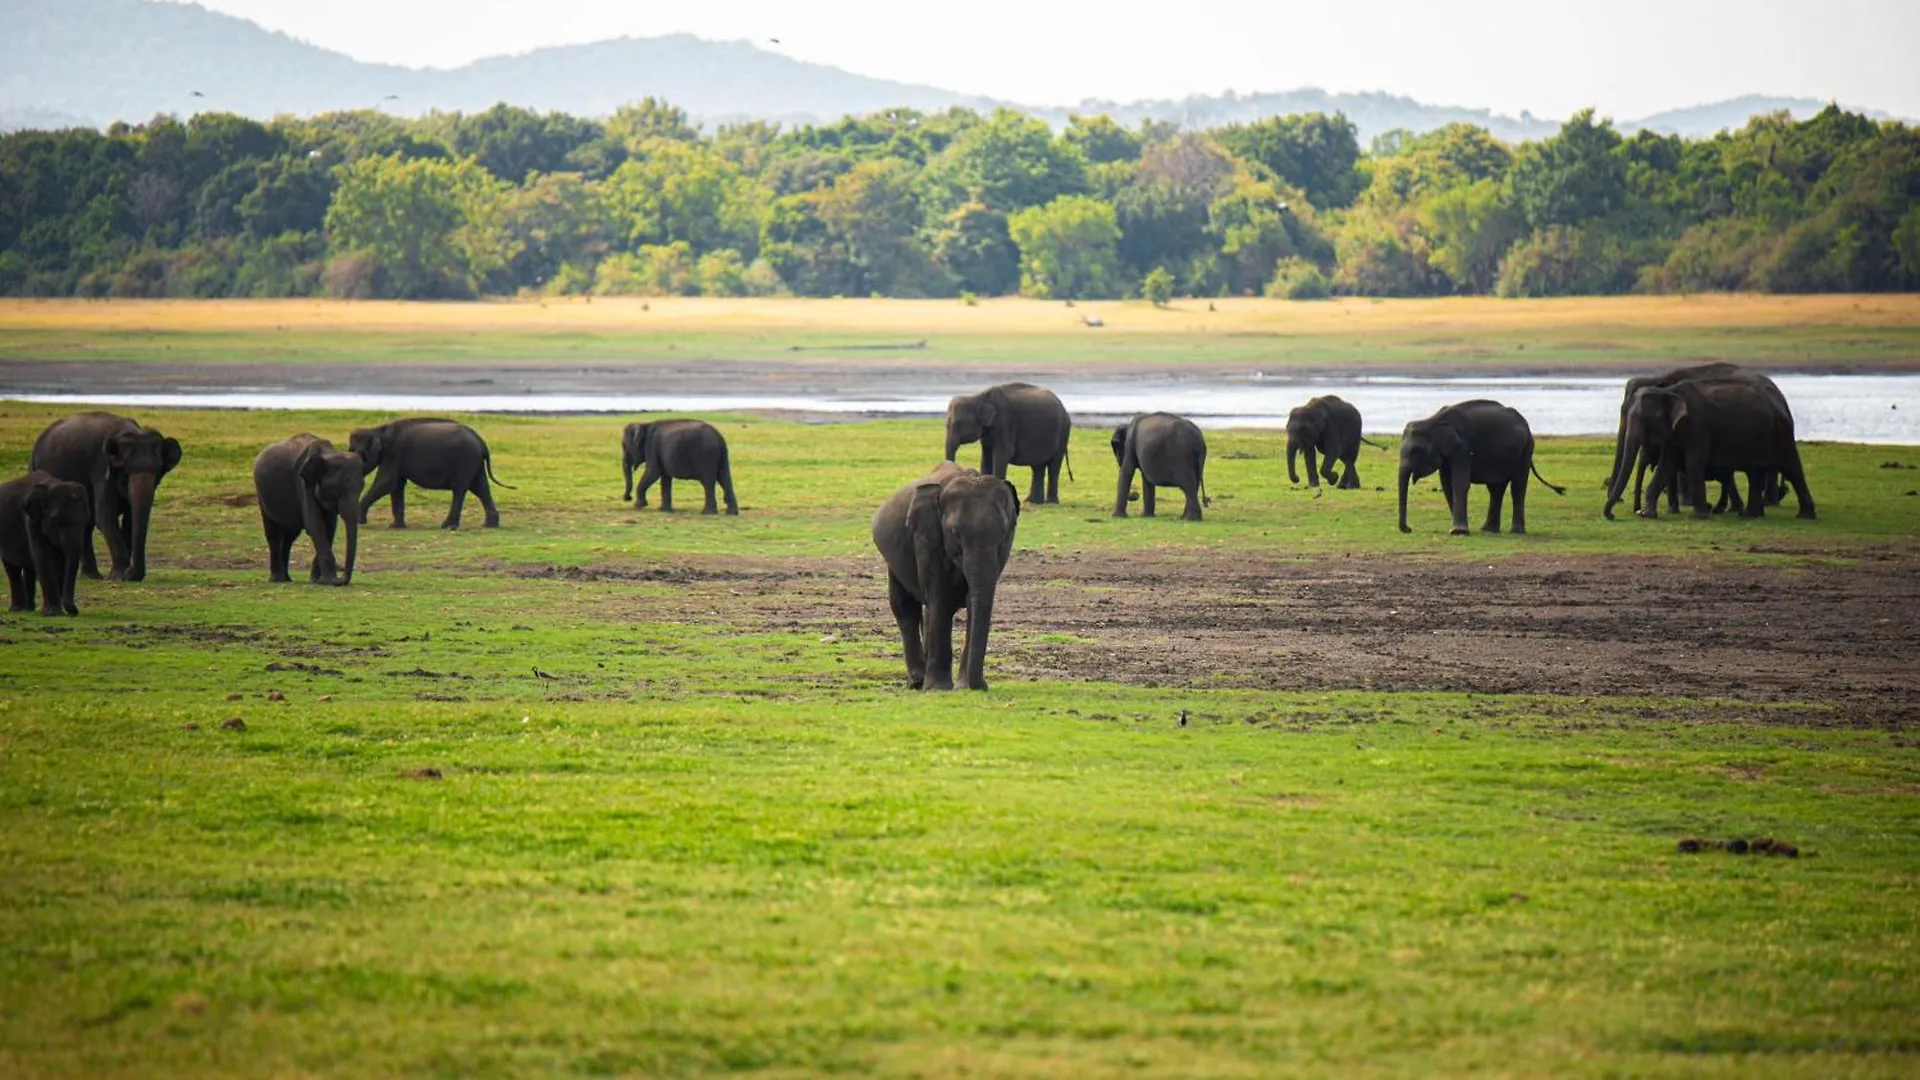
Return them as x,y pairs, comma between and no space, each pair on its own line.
1846,408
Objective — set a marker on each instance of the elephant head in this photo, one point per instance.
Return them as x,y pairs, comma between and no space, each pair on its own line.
369,444
1430,446
972,418
1305,425
633,451
1651,424
332,481
963,529
56,512
139,458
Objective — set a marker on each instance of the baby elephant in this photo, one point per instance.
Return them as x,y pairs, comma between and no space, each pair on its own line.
305,485
677,450
1168,451
43,538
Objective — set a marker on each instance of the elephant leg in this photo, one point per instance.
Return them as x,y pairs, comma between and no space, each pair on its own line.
110,518
1327,471
69,569
648,477
1756,492
937,626
19,588
666,494
1351,479
907,613
1192,491
1053,478
453,511
726,487
1792,472
1520,503
1038,496
89,563
45,571
399,502
1496,498
713,505
279,551
483,491
1146,496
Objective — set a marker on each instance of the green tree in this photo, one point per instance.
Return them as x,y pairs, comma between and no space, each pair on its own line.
559,220
430,228
973,244
1468,230
1314,152
1010,162
1069,248
672,190
1157,287
647,119
1100,140
1571,178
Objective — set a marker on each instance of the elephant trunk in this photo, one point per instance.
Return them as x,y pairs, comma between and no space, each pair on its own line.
1625,464
953,444
1293,452
982,577
1406,475
350,514
140,488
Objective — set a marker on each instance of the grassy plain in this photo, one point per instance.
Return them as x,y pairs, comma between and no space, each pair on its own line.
1809,332
706,844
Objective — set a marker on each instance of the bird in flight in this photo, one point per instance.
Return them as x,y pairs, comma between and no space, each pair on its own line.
775,40
196,93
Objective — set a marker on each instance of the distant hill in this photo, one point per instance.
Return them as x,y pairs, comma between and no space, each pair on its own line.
1732,115
69,62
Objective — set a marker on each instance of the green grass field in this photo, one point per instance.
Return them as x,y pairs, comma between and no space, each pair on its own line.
710,845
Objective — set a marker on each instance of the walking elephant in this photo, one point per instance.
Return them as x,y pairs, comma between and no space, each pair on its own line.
305,485
1713,429
677,450
121,464
1697,373
1168,451
1330,427
946,539
43,531
1015,424
1473,442
439,454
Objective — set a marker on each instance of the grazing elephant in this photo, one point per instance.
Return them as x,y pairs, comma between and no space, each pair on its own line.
121,465
1330,426
946,538
1015,424
305,485
1474,442
434,453
677,450
44,522
1714,429
1169,451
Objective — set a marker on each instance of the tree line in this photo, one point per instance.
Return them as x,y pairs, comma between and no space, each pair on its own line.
902,203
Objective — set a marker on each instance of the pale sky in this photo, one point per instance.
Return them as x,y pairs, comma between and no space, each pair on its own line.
1627,57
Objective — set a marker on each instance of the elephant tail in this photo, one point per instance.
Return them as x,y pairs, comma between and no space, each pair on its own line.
486,460
1383,446
1066,458
1535,469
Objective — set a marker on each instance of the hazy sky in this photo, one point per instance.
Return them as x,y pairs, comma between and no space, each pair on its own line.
1628,57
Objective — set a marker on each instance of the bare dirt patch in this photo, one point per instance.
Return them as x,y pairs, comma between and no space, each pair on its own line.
1843,636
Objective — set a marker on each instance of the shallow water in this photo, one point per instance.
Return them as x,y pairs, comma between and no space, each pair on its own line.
1845,408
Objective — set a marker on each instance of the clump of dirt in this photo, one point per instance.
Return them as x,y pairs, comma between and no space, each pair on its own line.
425,772
233,723
310,669
1740,845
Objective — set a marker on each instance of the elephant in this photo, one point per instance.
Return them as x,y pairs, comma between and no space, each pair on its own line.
946,539
1714,372
121,465
1714,428
1473,442
1015,424
44,522
434,453
305,485
1167,450
677,450
1330,426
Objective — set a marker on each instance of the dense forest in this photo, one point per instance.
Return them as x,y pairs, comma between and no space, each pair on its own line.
901,203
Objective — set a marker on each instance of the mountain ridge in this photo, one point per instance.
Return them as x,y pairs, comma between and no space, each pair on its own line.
57,68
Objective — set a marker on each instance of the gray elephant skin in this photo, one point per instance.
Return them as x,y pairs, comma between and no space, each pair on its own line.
443,455
1015,424
670,450
1473,442
1167,451
1327,427
1654,444
43,531
1718,427
306,485
946,539
121,464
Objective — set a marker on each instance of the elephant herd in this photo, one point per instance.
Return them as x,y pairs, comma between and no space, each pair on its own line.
946,537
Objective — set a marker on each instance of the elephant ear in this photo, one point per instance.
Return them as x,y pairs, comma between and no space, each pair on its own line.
1676,409
37,496
375,449
1120,441
311,466
1013,500
630,443
929,545
990,403
115,452
169,455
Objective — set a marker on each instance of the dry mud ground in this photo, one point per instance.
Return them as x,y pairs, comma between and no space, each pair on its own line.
1844,637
